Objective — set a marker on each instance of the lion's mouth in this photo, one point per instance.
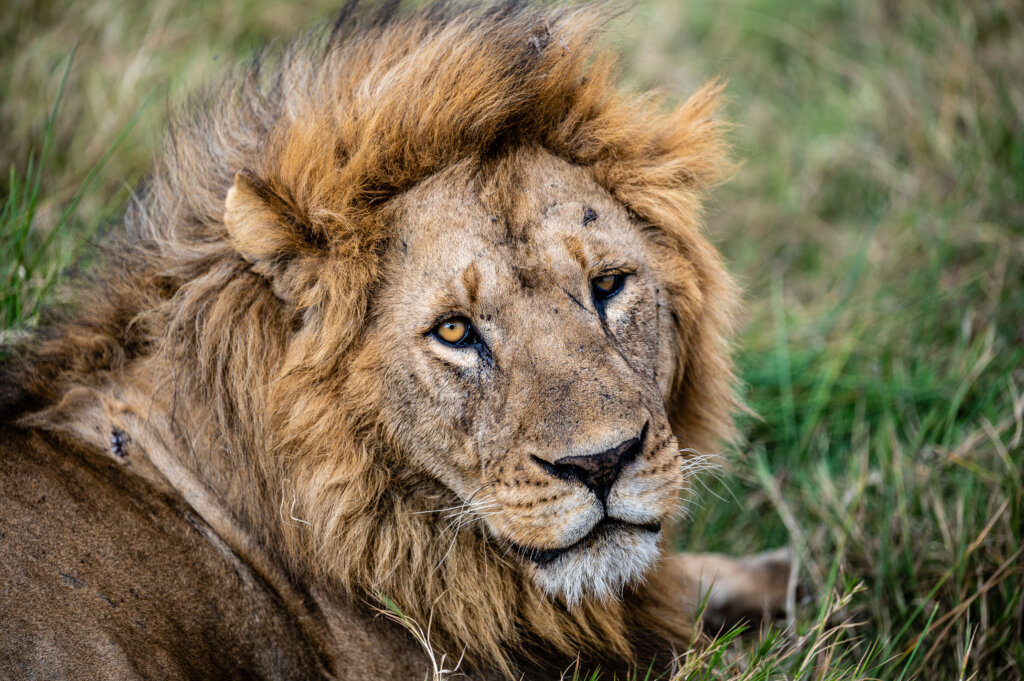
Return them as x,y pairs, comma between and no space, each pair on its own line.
544,557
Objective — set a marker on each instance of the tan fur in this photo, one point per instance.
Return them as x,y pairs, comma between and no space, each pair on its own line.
255,330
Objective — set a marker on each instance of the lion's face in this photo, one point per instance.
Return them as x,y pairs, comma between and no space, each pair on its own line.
527,362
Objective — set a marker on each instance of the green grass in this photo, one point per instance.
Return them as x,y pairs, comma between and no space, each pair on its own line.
877,225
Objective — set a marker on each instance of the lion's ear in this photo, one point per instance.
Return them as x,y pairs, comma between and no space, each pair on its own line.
271,234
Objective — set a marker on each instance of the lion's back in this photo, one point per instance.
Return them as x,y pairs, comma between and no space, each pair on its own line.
105,577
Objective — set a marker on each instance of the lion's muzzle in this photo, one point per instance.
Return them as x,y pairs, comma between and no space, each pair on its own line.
598,472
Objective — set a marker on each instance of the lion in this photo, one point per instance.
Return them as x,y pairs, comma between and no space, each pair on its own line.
418,312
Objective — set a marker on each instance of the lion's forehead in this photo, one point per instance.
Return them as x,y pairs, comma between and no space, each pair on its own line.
547,222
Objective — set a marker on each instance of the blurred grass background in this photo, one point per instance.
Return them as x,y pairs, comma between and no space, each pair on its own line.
877,225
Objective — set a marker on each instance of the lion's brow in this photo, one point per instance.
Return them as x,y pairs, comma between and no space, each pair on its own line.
471,282
575,248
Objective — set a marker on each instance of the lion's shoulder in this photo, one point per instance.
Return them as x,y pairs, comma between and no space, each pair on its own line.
106,576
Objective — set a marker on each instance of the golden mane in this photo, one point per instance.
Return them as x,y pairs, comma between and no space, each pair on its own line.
274,381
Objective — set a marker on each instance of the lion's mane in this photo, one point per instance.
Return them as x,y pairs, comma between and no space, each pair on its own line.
272,390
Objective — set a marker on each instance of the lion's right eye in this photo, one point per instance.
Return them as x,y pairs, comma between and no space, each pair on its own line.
606,287
456,331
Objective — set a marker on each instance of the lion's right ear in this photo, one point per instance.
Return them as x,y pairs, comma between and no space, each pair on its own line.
271,234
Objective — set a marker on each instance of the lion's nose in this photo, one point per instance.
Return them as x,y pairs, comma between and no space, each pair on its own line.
597,471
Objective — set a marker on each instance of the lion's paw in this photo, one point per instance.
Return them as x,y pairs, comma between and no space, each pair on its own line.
749,589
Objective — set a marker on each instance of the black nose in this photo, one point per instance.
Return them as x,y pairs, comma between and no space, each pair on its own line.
597,471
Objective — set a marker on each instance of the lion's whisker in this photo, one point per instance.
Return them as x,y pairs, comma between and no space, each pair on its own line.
468,508
699,463
464,504
467,516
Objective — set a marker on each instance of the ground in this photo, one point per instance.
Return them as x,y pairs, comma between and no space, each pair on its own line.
876,223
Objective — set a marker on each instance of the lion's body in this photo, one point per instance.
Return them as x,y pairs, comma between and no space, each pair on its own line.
108,573
106,576
248,428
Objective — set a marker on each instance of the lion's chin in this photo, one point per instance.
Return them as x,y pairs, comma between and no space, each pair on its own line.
601,566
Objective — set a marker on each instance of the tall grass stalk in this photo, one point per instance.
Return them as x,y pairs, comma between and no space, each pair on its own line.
30,269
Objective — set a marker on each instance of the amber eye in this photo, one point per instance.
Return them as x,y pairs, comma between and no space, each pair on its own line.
607,283
456,331
606,286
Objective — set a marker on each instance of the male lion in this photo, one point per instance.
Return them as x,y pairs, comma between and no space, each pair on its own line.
419,311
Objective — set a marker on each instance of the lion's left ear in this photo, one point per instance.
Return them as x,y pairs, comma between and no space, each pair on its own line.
271,234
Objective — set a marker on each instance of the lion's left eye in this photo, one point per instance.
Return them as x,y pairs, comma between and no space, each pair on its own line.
605,287
457,332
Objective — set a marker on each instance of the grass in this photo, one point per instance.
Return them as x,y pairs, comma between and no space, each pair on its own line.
877,225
